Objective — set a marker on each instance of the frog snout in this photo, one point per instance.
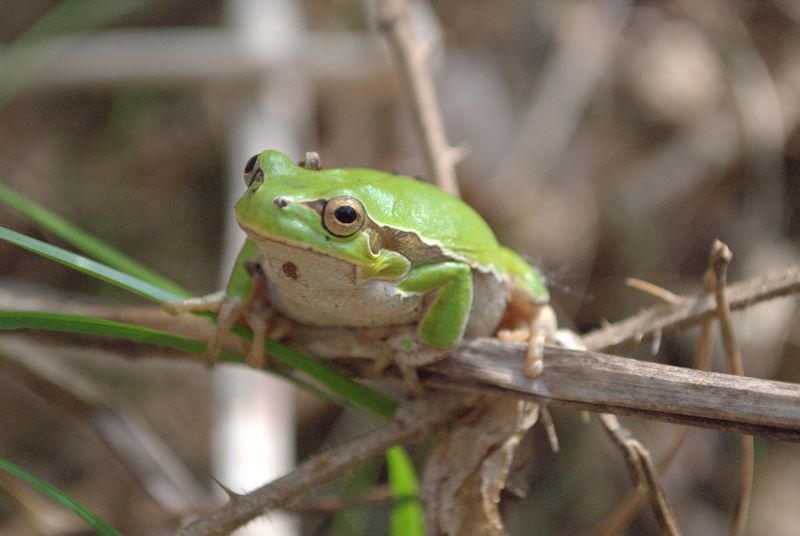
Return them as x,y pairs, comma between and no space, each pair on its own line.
280,202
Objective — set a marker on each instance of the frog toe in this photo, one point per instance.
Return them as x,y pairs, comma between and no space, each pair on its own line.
210,302
542,330
264,322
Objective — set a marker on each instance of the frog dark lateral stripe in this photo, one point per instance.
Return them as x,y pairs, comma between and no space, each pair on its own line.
385,237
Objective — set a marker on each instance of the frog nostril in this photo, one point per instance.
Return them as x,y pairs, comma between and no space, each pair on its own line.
280,202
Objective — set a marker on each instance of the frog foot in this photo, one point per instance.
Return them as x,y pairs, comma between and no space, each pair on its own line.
408,355
263,321
198,304
537,331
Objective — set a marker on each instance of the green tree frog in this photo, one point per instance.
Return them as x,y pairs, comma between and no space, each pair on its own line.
365,248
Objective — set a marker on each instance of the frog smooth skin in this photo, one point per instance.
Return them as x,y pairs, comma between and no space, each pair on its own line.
356,247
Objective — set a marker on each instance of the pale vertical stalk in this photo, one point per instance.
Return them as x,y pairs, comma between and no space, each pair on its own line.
721,256
254,419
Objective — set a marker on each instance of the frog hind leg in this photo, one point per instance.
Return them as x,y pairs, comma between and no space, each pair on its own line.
534,321
542,330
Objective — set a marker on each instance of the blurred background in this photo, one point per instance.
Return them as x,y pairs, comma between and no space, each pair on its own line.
607,139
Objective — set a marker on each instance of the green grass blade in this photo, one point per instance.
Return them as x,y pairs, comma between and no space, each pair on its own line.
352,391
83,241
72,16
21,60
407,514
401,471
406,517
94,521
354,521
359,394
86,325
90,267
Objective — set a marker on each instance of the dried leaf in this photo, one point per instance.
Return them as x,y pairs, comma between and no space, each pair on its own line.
469,468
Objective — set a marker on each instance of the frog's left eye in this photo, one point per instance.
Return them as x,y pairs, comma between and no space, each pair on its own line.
343,216
252,172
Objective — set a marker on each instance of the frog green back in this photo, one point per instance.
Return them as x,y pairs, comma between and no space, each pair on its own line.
409,204
399,202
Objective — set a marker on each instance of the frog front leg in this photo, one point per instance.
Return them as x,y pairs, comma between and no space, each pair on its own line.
442,325
245,299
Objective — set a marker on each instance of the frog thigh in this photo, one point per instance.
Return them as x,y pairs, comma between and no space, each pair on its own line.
444,322
490,295
526,279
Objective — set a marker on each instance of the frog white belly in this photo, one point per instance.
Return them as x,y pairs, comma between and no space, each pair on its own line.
320,290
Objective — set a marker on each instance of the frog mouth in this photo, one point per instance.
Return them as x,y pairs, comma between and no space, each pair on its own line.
261,238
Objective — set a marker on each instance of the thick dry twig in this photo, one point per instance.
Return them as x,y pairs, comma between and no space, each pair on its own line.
414,421
721,256
414,58
584,380
611,384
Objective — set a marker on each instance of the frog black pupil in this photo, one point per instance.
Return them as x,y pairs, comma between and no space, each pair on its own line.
345,214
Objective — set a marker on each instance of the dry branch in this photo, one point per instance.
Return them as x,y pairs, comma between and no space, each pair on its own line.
620,518
414,421
693,310
414,57
585,380
645,474
611,384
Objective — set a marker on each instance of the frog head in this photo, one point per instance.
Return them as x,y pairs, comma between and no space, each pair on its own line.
316,210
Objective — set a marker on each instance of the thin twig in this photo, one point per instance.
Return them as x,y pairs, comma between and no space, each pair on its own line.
414,58
639,462
693,310
653,290
414,421
722,257
622,515
645,475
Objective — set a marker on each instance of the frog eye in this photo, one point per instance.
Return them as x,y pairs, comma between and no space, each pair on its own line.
252,172
343,216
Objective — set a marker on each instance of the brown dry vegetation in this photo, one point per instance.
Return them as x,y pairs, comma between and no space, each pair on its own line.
608,139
